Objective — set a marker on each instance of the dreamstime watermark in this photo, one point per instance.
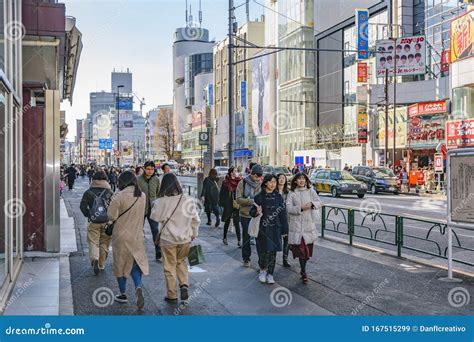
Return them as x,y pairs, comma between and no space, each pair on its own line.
21,288
47,329
14,30
280,120
192,207
371,296
459,297
281,297
15,119
193,32
461,205
103,297
14,208
370,206
193,297
273,215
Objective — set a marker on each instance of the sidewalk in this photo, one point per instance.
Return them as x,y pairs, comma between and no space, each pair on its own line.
344,280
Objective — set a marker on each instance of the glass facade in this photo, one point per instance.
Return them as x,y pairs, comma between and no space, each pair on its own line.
11,232
193,66
432,19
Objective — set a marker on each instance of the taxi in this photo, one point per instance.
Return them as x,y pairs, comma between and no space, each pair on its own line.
338,183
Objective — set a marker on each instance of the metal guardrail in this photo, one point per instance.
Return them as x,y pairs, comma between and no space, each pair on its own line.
391,229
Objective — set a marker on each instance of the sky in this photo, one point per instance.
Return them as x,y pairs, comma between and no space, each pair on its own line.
136,34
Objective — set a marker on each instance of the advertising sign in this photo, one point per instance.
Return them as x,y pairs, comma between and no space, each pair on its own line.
261,93
445,60
427,108
438,163
362,27
125,103
401,132
210,94
362,124
407,53
105,144
460,133
362,72
462,36
197,118
240,143
426,131
243,94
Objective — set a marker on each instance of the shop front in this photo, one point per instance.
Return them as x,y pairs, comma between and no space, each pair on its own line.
426,122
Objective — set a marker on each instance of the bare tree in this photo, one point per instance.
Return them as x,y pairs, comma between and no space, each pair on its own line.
166,132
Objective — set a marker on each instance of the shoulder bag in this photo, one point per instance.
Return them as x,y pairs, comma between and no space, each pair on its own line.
109,227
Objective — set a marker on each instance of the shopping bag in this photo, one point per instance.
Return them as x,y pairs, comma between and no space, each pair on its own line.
196,255
232,228
254,226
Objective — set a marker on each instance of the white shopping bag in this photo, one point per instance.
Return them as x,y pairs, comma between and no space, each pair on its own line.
254,226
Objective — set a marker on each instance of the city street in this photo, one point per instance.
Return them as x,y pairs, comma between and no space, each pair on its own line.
341,280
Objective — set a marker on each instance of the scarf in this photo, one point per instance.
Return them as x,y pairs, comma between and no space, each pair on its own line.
250,189
231,183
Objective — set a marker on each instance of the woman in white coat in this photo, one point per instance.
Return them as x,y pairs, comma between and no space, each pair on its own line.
302,205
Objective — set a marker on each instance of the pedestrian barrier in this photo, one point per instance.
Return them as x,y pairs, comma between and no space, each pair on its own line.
397,231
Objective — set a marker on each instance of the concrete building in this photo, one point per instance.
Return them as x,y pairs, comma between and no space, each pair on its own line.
124,78
252,32
192,40
101,101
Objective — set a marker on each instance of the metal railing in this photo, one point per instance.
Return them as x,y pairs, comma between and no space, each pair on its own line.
397,231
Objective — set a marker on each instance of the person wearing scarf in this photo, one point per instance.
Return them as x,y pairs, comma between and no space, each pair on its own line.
227,201
210,196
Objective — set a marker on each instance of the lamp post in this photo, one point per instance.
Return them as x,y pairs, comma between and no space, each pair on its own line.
118,124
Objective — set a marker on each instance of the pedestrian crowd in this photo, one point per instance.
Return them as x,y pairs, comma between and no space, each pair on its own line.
264,210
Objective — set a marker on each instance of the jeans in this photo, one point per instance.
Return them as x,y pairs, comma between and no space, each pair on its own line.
246,248
267,260
113,186
214,208
136,275
154,231
235,218
286,248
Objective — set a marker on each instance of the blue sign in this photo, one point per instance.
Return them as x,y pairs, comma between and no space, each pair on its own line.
105,144
210,94
125,103
362,27
243,94
243,153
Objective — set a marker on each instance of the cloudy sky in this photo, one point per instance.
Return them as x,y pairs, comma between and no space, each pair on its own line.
136,34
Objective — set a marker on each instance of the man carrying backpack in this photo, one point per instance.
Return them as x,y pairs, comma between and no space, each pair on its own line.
94,205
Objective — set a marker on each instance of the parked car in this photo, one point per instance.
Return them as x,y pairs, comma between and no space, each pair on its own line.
338,183
378,179
222,170
268,169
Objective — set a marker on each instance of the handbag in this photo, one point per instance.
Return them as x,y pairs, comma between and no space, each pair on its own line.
254,226
109,227
158,236
196,255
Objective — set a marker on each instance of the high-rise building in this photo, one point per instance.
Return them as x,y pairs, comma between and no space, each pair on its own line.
124,78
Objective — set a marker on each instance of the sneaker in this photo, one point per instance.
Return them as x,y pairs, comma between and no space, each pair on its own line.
262,277
304,277
95,266
121,298
239,244
247,263
218,223
225,242
158,256
270,279
209,223
184,292
171,300
140,298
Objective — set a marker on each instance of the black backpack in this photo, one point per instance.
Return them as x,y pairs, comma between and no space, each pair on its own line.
98,211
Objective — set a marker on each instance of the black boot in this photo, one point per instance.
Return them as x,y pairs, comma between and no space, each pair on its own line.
285,263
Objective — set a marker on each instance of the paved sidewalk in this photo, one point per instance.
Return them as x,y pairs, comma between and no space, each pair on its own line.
344,280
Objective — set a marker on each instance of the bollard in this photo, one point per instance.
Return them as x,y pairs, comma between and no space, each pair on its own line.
323,220
399,235
350,226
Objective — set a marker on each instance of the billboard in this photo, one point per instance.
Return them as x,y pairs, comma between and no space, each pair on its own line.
362,27
261,95
427,108
401,129
125,103
240,141
407,54
362,124
460,133
362,72
462,36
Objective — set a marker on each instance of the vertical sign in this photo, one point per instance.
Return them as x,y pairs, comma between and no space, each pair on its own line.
362,72
362,124
438,163
243,94
362,27
210,95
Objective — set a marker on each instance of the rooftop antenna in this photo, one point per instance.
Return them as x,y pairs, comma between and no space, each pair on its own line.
247,8
187,13
200,14
191,14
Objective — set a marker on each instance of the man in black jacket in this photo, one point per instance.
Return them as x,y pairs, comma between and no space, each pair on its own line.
71,173
96,237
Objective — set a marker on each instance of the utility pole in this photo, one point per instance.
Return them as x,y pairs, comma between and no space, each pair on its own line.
230,97
386,120
118,124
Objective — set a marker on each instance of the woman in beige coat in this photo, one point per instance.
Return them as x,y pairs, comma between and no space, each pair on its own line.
128,239
302,205
179,222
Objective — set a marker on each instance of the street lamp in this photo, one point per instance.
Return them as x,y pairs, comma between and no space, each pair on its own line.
118,124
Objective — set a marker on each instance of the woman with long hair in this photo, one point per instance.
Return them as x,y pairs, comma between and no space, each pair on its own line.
282,188
302,204
128,240
273,226
228,202
179,221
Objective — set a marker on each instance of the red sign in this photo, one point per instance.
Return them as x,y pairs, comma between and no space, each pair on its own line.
362,72
460,133
445,60
427,108
438,163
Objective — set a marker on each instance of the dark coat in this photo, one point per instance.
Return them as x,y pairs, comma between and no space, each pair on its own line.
210,192
226,198
71,173
96,188
113,177
274,221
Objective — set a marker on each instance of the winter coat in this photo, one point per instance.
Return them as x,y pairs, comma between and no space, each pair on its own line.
302,224
71,173
151,188
245,194
182,225
97,187
273,223
226,201
113,177
128,238
210,192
